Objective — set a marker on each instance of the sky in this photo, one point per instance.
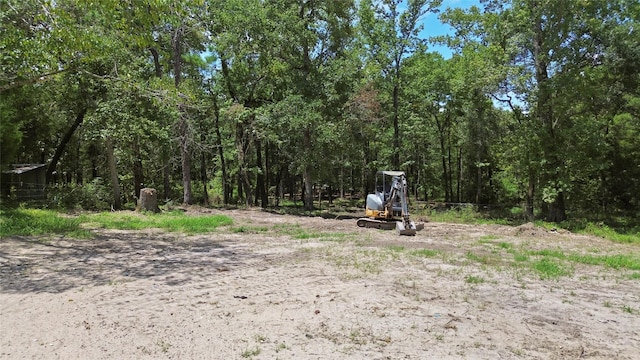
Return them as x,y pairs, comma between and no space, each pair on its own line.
434,27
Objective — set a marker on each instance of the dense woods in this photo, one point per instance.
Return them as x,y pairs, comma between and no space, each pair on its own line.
252,101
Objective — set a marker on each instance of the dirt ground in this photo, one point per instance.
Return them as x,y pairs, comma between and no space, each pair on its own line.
287,287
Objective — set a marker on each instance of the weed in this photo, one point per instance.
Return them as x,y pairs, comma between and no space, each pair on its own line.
634,276
428,253
250,229
164,346
396,248
628,309
474,279
251,352
520,257
280,347
607,304
487,239
481,259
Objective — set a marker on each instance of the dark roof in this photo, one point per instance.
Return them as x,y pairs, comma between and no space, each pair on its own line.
23,168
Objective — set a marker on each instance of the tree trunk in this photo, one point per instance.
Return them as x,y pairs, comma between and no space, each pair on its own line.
528,212
306,174
113,170
183,129
63,143
203,164
166,173
261,192
137,169
183,125
544,111
242,146
459,179
226,193
395,161
443,154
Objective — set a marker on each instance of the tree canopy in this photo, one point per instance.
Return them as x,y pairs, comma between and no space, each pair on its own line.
254,102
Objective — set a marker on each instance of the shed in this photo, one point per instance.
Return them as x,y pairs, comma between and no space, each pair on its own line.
25,182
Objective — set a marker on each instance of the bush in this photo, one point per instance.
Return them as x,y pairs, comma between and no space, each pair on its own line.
94,195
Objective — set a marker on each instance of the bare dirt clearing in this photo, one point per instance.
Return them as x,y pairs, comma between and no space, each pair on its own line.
278,286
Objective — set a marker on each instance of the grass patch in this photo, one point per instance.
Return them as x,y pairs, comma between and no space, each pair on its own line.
606,232
171,221
297,232
474,279
613,261
549,268
477,258
35,222
487,239
248,353
250,229
396,248
426,253
520,257
634,276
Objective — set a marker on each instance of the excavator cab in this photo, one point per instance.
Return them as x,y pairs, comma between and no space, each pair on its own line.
388,207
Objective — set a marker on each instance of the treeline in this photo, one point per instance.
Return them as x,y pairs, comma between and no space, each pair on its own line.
243,101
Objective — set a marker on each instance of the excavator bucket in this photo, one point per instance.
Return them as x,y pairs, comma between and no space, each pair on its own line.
409,230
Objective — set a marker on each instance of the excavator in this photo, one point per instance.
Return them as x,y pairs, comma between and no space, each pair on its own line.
388,207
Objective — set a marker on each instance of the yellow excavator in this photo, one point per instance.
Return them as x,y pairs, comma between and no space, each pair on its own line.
388,207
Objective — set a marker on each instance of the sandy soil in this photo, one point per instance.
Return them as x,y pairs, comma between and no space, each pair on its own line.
311,288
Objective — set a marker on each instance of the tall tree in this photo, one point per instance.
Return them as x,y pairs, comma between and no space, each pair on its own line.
390,34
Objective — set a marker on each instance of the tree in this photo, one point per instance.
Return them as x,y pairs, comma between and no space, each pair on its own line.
389,35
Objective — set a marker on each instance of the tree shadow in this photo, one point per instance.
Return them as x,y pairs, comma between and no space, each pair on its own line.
31,265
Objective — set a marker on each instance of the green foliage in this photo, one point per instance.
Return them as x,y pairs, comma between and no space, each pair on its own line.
94,195
36,222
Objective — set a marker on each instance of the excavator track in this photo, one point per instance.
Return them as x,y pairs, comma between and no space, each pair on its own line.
376,224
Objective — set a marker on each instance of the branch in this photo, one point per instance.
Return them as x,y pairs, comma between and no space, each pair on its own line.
32,80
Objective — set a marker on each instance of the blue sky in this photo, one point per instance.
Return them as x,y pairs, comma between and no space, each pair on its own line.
433,26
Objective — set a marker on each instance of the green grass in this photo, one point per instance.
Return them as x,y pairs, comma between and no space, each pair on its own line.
624,232
474,279
617,261
549,268
250,229
36,222
477,258
606,232
295,231
248,353
614,261
634,276
171,221
396,248
427,253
